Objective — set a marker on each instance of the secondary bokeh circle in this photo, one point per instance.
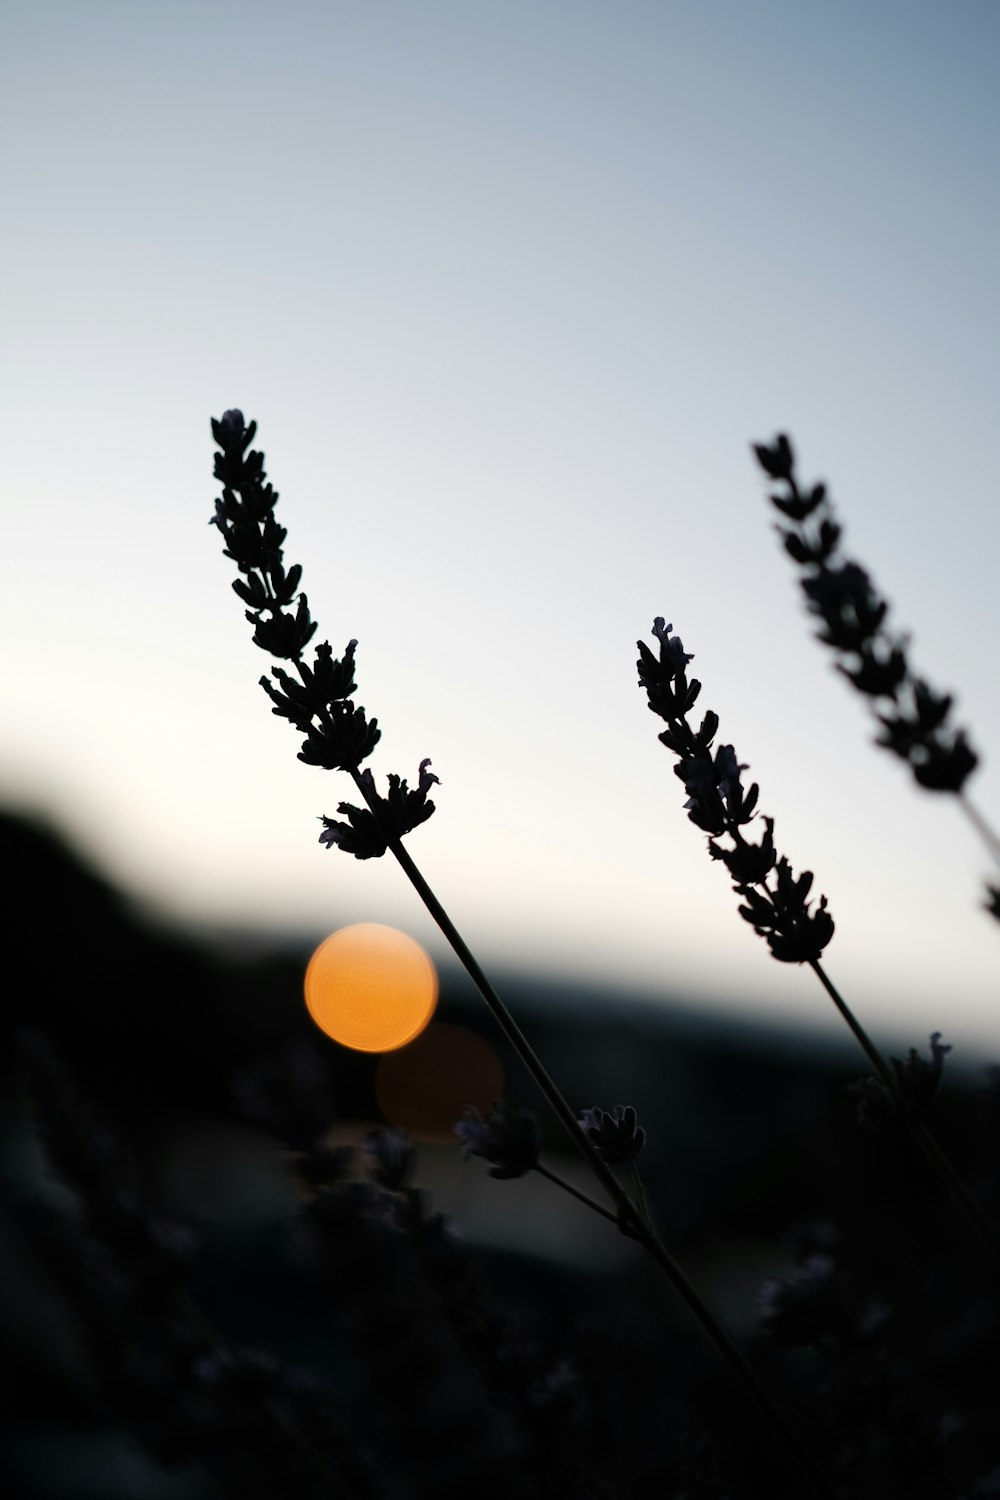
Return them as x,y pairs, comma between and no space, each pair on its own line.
424,1087
371,987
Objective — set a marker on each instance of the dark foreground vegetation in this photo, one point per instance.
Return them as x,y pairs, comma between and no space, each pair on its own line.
230,1301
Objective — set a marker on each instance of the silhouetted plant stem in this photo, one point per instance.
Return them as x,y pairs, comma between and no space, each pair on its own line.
338,735
568,1187
982,827
922,1137
628,1216
738,1363
640,1193
776,903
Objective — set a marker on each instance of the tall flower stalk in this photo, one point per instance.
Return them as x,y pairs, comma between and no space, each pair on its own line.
775,901
339,735
914,719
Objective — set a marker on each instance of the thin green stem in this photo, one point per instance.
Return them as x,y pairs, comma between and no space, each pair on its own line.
628,1216
922,1137
989,837
568,1187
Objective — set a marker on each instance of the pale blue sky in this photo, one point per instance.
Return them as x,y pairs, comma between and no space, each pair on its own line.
509,288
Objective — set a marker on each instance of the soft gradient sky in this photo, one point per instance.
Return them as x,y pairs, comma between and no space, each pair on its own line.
509,288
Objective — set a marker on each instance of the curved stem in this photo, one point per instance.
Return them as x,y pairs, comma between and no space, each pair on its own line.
925,1141
628,1216
989,837
568,1187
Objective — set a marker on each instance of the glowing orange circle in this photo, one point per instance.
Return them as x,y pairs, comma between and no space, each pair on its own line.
371,988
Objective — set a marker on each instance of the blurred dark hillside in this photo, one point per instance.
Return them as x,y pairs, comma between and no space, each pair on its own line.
160,1026
198,1068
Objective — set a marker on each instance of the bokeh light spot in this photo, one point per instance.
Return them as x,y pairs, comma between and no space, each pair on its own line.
424,1088
371,988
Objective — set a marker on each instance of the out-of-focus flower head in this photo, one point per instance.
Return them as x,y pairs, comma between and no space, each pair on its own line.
617,1134
918,1080
508,1137
798,1310
392,1158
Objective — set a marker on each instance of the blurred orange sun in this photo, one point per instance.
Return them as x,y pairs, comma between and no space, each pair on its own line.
371,988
